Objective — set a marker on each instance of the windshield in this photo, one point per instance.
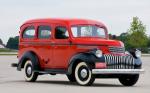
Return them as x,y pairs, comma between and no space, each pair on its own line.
88,31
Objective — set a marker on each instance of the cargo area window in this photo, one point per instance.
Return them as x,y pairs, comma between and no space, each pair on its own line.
29,32
61,32
44,32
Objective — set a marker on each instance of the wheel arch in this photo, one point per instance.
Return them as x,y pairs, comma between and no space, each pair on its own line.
26,56
81,57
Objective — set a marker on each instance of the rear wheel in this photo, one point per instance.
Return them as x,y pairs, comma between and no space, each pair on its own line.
129,80
30,75
83,74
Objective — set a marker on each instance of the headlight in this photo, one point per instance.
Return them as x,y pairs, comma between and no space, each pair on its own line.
98,53
127,53
138,53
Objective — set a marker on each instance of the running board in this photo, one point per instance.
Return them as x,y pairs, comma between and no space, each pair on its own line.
52,71
117,71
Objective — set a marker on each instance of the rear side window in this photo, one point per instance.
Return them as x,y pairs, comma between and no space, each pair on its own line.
44,32
29,32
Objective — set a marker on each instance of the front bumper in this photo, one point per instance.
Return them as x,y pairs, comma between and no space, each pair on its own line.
117,71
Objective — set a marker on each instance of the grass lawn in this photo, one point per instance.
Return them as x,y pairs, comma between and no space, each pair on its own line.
7,50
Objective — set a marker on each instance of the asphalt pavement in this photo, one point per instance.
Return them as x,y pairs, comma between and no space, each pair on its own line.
12,81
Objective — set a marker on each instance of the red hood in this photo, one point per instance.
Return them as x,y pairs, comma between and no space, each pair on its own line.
96,41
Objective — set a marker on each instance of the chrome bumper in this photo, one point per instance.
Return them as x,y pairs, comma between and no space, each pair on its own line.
117,71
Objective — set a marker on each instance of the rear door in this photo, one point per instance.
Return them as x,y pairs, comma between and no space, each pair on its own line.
44,47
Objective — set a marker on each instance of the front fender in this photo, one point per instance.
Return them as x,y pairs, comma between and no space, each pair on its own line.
85,57
138,63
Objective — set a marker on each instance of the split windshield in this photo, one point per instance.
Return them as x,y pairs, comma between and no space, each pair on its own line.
88,31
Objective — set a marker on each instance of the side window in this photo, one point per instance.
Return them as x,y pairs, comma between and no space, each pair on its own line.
29,32
44,32
61,32
74,31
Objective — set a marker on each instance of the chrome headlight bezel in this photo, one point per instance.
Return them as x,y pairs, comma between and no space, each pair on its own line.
98,53
127,52
138,53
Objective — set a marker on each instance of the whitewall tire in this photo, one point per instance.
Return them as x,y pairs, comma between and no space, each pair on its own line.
83,74
29,74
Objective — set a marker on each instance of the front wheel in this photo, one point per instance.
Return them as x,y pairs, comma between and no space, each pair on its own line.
30,75
83,74
71,78
129,80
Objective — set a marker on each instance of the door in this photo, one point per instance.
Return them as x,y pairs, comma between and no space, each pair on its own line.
44,47
61,47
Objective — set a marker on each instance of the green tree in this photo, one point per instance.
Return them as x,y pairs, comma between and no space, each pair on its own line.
1,42
112,36
136,36
13,42
148,42
123,37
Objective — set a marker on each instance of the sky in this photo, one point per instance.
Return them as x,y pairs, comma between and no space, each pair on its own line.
115,14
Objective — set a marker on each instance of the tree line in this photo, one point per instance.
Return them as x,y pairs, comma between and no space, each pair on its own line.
135,37
12,43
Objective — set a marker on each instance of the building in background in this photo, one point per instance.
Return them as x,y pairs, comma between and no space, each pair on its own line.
2,46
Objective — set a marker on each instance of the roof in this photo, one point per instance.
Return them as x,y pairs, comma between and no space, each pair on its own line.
62,20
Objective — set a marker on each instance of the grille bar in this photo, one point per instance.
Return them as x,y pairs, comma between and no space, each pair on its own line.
119,62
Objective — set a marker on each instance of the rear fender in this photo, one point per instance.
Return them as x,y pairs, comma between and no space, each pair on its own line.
26,56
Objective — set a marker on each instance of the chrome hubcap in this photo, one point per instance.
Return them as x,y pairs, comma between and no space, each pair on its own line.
83,73
29,70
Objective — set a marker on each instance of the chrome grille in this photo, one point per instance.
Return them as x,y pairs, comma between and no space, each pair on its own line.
119,62
115,49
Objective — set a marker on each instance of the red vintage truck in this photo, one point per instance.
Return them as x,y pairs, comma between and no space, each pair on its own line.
79,48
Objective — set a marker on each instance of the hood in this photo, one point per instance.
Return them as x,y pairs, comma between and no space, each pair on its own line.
96,41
